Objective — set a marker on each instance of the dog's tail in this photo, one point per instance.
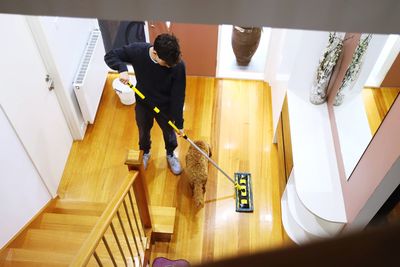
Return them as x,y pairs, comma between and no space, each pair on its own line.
198,196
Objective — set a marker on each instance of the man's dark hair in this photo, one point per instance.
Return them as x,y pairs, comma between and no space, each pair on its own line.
167,48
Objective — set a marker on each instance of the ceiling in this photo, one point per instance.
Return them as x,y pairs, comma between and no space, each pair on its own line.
373,16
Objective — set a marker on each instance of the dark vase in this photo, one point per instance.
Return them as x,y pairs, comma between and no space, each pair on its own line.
245,41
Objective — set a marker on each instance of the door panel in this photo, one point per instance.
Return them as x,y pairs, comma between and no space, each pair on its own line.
198,44
33,110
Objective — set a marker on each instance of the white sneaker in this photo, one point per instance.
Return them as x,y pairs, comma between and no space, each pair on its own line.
174,164
146,158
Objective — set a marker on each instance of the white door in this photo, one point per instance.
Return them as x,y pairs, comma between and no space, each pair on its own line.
31,107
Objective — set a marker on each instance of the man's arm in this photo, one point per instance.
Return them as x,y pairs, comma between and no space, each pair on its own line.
116,59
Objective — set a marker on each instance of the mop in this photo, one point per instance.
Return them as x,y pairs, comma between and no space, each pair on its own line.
242,181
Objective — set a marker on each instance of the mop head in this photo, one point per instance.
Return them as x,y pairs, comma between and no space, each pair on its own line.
244,195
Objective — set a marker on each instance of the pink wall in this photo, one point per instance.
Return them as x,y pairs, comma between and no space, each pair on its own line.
198,43
379,156
392,78
374,164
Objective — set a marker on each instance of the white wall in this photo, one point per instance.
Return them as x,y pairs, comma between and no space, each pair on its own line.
310,48
22,192
33,110
67,39
292,61
385,60
278,83
35,140
227,66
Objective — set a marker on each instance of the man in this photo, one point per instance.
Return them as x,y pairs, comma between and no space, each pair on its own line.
161,77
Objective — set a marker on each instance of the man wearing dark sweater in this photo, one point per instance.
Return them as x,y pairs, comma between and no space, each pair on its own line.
161,77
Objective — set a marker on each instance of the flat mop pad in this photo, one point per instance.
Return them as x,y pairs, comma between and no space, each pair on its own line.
244,194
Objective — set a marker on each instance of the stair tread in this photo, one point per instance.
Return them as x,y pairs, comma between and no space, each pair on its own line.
57,233
66,206
163,219
37,258
53,240
32,264
66,222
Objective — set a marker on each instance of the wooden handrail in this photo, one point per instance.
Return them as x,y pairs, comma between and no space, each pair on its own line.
86,251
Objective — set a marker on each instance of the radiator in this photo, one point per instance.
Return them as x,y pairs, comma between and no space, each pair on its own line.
90,77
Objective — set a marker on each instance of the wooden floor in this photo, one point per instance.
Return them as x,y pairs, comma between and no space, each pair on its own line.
377,102
235,117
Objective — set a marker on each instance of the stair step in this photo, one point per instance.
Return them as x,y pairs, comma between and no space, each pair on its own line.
55,236
64,206
53,240
66,222
27,257
108,262
163,221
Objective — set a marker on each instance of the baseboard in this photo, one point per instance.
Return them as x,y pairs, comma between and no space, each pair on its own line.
83,130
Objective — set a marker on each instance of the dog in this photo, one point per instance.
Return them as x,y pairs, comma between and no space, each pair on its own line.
197,171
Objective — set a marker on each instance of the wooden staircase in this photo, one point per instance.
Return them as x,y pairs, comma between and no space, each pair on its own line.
55,236
77,233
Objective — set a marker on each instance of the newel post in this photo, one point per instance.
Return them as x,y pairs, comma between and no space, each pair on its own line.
134,161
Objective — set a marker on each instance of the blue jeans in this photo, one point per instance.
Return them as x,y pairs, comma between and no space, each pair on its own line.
145,120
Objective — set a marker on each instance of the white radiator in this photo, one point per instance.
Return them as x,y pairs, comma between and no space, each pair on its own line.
91,76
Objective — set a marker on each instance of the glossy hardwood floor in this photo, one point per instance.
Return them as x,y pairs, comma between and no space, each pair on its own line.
377,102
234,116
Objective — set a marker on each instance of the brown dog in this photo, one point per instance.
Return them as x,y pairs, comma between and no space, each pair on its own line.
197,171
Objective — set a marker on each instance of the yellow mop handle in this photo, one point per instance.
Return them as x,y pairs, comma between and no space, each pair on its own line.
156,110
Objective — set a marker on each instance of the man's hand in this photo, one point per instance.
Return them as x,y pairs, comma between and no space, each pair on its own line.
181,133
124,77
